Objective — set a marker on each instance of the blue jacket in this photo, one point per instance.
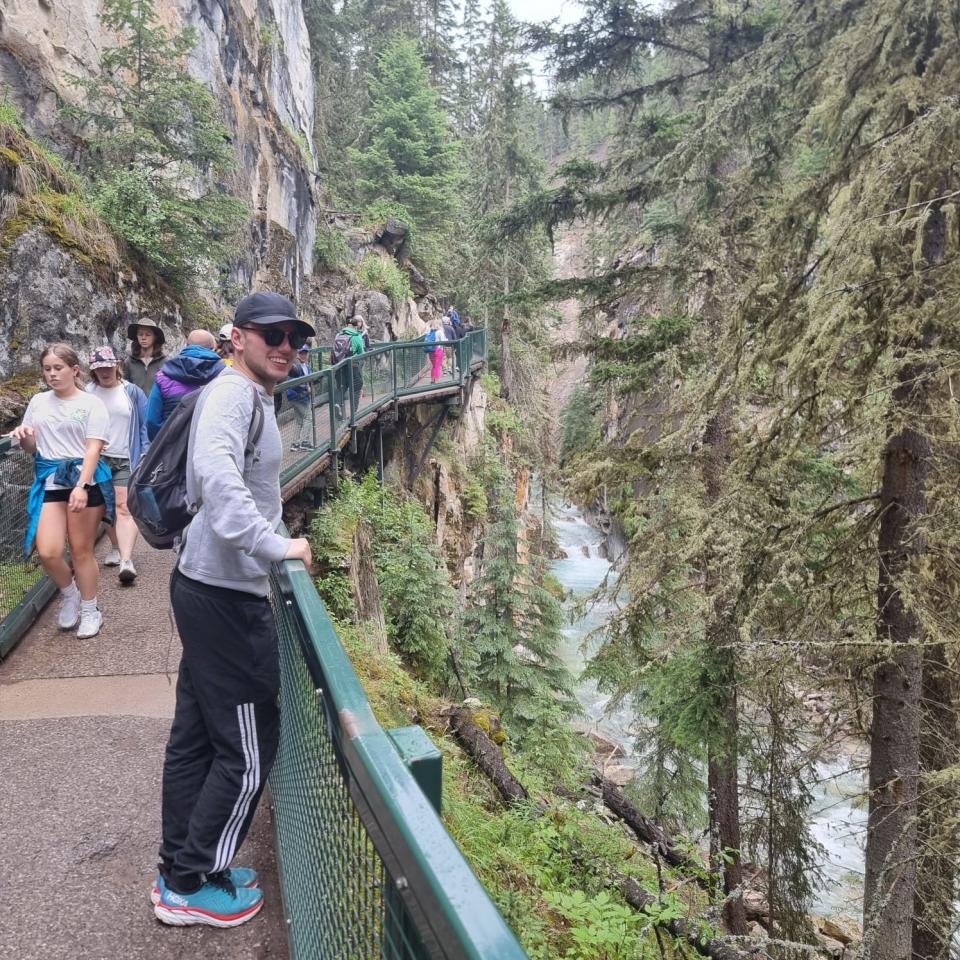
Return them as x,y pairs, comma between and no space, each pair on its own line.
66,473
301,392
190,369
139,438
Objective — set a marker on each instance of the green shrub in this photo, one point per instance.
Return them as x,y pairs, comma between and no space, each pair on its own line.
10,115
385,275
374,216
330,250
418,599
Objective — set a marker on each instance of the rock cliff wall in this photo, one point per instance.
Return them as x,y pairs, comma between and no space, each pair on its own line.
255,57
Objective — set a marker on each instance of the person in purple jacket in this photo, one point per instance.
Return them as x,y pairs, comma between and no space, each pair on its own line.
195,365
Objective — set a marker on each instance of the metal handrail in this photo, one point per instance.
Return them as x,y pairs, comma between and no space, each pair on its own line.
336,386
423,883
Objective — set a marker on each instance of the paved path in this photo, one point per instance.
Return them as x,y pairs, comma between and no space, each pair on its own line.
83,724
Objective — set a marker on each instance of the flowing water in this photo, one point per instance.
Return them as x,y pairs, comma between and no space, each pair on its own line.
838,819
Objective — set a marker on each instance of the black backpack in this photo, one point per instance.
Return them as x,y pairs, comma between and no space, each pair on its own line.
342,348
157,495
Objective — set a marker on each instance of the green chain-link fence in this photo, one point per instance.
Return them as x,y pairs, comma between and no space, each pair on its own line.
368,870
24,590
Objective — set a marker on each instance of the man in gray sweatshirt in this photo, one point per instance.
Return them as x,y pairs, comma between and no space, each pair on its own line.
225,729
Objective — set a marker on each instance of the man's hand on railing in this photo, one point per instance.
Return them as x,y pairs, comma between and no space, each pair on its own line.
299,549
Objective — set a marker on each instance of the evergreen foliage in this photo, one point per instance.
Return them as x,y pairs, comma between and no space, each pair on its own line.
414,584
407,154
782,455
512,629
156,147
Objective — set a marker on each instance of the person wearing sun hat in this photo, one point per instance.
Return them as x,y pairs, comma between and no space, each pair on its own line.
146,355
226,722
224,347
127,443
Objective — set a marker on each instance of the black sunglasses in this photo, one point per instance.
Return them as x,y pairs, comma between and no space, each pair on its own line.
273,336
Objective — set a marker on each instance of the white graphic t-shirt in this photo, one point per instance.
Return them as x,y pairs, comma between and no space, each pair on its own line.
62,427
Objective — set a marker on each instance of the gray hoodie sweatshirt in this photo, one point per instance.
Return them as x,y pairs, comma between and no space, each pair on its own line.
231,542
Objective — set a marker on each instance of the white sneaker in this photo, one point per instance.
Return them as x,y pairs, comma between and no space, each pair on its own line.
112,559
128,572
69,615
90,624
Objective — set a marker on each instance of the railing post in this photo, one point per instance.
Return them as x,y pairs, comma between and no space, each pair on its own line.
422,759
353,398
313,413
332,410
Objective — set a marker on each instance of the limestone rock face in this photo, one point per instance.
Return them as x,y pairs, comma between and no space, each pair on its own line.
255,57
51,295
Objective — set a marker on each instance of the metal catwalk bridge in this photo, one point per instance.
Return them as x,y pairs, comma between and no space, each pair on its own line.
364,863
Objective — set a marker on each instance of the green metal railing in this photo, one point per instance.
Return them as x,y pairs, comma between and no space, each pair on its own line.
343,395
24,590
367,868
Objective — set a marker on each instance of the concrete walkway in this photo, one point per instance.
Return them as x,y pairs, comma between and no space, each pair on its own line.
83,725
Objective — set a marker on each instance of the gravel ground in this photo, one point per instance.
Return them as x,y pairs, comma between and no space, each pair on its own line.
80,798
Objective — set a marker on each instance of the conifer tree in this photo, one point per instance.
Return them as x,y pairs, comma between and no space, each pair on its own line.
156,147
512,629
408,155
819,157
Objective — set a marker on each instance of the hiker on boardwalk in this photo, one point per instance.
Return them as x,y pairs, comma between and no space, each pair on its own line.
146,354
224,346
195,365
435,337
127,442
66,430
363,331
347,343
300,397
226,723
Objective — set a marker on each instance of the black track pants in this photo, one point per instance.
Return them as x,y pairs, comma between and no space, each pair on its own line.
225,729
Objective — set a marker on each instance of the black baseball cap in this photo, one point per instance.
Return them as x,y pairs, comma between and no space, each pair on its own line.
265,308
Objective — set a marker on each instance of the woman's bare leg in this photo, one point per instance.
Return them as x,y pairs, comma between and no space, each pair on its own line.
82,533
126,530
51,539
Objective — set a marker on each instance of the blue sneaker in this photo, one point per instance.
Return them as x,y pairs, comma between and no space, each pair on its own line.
218,903
238,876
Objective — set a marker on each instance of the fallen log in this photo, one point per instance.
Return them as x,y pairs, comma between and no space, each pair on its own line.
716,949
645,829
486,754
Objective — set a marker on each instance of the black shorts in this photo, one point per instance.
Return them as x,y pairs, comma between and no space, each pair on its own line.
94,496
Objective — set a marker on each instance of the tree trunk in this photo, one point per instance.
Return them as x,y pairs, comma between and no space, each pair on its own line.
366,590
891,858
934,902
723,789
644,828
486,754
889,887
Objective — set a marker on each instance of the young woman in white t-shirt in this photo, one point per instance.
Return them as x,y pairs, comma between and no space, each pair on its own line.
127,409
64,423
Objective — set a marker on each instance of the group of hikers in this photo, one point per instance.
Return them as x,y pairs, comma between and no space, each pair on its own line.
87,441
446,329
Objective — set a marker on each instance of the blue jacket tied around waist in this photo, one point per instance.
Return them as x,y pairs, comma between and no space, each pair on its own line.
66,473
